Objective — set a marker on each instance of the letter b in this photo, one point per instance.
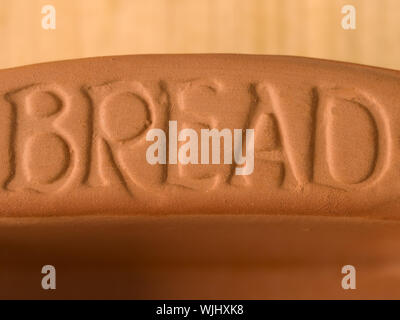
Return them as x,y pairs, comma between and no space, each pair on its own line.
41,153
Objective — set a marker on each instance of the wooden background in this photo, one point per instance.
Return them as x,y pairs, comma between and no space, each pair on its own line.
111,27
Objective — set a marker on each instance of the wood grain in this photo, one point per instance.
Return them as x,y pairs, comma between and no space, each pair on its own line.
113,27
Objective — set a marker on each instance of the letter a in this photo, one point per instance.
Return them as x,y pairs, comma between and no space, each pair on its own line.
49,20
349,280
49,280
349,20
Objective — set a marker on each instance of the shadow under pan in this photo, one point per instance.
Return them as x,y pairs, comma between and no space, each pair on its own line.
199,257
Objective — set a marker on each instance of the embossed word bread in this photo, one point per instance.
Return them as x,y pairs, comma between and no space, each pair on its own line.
200,134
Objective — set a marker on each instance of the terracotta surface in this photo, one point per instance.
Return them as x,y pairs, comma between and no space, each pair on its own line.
78,192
